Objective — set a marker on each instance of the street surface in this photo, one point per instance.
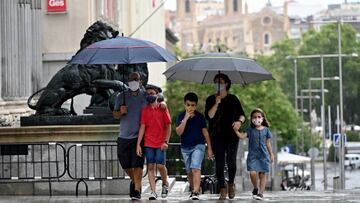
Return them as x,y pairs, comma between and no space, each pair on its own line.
282,196
352,177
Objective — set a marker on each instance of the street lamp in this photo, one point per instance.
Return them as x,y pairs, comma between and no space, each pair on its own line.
301,97
322,56
339,55
295,81
323,128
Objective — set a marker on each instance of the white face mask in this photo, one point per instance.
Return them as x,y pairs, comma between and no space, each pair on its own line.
134,85
257,121
222,87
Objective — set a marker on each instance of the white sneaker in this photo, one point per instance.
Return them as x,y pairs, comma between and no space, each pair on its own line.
259,197
153,196
194,196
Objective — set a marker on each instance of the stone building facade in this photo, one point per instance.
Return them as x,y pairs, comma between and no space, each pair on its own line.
20,56
36,42
236,28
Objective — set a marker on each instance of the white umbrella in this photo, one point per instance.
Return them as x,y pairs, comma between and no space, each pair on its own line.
287,158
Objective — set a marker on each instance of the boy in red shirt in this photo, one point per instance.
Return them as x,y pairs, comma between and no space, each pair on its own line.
155,129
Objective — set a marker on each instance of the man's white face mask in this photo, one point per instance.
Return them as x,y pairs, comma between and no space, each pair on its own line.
134,85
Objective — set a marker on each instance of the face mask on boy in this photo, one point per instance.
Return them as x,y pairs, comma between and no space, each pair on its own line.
151,98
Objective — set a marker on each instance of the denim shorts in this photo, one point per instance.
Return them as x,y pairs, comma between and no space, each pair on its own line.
193,157
154,155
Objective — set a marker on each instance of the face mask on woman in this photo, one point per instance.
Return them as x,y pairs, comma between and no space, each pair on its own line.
257,121
134,85
219,88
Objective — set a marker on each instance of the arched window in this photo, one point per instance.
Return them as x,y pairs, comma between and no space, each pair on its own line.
235,5
187,6
266,39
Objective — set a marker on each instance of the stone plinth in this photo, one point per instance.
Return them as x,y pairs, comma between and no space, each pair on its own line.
65,133
69,136
68,120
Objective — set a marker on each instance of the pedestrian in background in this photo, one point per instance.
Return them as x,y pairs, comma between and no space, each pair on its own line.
224,111
191,127
260,152
156,130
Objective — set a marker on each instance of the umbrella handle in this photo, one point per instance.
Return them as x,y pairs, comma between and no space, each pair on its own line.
124,102
218,92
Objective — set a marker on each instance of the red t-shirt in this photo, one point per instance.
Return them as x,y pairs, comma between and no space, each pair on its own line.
155,121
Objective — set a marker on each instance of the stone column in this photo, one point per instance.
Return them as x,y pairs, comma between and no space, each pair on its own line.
1,39
10,50
36,70
21,48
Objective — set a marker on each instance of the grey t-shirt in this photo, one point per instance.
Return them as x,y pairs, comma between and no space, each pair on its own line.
130,123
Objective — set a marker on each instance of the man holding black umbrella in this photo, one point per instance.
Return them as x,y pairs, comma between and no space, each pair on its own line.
224,112
128,107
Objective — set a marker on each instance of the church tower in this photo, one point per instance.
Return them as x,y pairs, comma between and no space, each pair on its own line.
286,19
185,9
186,19
233,7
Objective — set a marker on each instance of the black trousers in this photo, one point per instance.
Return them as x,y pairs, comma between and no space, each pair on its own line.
225,151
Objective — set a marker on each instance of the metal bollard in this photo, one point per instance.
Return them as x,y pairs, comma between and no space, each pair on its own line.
336,183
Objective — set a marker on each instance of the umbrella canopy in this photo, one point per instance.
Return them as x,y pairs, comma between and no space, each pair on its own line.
122,50
287,158
203,68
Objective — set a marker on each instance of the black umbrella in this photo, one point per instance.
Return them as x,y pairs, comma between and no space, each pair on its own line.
203,68
122,50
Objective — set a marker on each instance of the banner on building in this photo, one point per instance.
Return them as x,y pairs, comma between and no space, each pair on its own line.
56,6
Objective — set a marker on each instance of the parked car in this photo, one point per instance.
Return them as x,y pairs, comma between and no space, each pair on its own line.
352,161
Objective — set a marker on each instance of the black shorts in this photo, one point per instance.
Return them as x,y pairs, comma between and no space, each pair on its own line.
126,151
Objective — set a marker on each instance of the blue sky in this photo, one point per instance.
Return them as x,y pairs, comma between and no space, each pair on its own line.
298,7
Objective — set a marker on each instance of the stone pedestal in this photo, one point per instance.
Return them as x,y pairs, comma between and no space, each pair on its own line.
11,111
70,137
68,120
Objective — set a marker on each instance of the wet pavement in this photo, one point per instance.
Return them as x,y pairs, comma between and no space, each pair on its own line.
352,177
351,194
282,196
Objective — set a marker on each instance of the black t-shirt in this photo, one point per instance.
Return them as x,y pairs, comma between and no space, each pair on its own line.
228,111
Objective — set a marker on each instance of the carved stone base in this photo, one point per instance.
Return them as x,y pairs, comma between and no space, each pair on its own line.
11,111
68,120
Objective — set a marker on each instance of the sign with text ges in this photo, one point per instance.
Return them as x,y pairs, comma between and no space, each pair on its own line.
54,6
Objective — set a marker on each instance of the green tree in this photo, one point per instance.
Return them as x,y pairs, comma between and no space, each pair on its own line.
322,42
265,95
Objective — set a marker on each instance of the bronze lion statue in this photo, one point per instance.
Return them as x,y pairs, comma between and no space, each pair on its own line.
99,81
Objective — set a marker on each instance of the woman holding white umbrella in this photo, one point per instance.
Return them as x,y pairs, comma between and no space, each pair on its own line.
224,111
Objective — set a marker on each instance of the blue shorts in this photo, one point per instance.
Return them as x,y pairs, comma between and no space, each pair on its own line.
154,155
193,157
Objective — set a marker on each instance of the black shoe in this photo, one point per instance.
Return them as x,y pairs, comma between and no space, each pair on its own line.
255,192
153,196
259,196
164,191
132,189
136,195
194,196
